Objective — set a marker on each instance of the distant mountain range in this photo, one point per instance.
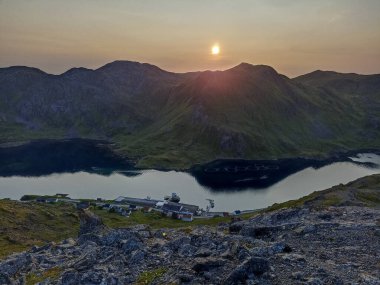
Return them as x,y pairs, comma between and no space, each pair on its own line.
175,120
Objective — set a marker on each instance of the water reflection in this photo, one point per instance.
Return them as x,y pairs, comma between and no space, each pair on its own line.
85,170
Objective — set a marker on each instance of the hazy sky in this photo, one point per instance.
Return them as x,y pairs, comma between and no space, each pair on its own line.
294,36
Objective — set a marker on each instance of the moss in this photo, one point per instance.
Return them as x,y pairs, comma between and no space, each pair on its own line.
51,274
148,277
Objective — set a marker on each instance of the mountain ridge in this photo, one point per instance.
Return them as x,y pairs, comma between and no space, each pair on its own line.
196,71
175,120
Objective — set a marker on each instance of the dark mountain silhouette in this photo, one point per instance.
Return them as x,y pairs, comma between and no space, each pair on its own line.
175,120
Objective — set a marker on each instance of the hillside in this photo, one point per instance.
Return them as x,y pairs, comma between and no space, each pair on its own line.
170,120
24,224
308,241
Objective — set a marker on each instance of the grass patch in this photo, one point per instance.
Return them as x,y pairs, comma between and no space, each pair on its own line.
51,274
369,198
24,224
148,277
154,219
292,203
364,191
331,200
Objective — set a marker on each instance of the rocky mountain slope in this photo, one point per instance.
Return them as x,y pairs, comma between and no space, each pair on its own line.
297,246
316,240
172,120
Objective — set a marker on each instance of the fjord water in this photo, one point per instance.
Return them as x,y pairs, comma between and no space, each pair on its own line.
156,184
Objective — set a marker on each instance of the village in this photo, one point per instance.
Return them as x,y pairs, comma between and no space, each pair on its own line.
170,206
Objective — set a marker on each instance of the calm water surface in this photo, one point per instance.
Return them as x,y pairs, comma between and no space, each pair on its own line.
157,184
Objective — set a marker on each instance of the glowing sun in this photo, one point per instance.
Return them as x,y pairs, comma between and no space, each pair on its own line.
215,49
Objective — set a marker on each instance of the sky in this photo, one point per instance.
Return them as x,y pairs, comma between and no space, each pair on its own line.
293,36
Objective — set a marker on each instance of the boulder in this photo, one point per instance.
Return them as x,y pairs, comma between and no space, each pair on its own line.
254,265
90,223
137,257
267,251
70,277
131,244
114,237
187,250
16,263
203,252
207,264
177,243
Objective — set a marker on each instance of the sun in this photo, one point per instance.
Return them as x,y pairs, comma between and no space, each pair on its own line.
215,50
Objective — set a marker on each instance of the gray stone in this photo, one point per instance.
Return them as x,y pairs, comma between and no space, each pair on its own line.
16,263
130,245
187,250
137,257
255,265
207,264
90,223
203,252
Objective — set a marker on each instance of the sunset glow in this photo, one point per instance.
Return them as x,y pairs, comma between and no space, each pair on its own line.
215,49
295,37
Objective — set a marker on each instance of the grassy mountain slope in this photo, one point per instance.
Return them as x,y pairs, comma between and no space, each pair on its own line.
24,224
169,120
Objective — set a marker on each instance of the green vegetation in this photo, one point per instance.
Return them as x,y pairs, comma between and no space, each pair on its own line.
51,274
154,219
148,277
369,199
247,112
361,192
24,224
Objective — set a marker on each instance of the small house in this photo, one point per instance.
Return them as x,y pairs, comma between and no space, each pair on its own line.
132,207
147,209
119,199
186,216
171,210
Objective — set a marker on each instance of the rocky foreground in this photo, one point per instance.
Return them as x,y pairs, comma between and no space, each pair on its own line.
334,245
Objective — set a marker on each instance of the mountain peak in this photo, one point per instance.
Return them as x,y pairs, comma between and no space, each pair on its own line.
262,69
126,65
21,68
76,70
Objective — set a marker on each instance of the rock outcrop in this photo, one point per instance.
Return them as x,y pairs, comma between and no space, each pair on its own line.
335,245
90,223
